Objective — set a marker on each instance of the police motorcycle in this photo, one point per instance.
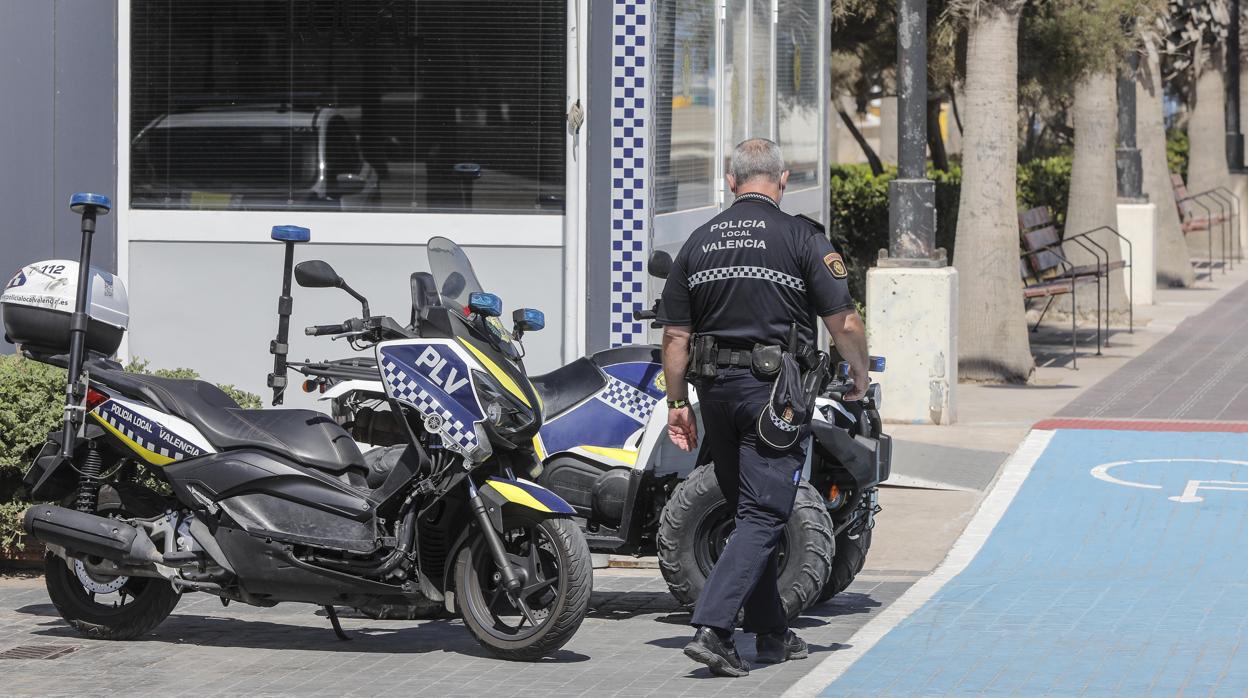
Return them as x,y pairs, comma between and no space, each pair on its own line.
266,506
604,449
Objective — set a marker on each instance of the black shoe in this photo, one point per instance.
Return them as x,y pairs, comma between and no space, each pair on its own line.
775,648
720,655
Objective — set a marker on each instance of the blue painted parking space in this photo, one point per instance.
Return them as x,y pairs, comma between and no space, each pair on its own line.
1118,568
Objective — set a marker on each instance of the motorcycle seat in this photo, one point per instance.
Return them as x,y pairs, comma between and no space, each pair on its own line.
305,436
568,385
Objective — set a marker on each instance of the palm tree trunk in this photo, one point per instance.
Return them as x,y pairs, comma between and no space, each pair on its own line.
1174,266
1093,202
992,330
1206,164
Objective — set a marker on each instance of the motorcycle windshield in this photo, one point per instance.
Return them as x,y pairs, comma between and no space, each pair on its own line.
456,281
453,273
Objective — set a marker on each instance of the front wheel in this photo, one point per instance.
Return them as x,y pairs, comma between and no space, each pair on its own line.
552,560
697,522
108,607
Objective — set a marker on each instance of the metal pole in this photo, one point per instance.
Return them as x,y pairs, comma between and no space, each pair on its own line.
1130,168
1234,138
912,197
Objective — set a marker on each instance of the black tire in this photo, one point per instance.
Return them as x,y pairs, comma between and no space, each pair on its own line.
851,555
696,523
559,609
142,603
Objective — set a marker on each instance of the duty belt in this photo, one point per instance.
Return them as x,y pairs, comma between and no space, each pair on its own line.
733,357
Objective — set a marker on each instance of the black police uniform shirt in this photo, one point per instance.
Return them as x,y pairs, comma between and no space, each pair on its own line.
747,275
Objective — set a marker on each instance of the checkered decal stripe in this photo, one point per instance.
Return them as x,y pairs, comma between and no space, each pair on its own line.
462,437
629,210
720,273
624,398
144,439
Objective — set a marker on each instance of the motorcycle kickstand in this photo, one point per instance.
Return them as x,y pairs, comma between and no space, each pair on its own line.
333,620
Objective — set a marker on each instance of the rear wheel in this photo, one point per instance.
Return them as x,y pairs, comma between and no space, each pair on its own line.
109,607
697,522
552,560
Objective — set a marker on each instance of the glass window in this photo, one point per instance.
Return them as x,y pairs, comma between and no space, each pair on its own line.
797,89
760,69
685,116
375,105
736,74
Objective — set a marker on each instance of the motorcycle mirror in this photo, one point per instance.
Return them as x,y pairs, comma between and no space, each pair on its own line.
317,274
660,264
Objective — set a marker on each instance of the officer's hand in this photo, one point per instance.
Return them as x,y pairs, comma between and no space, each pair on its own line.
682,428
862,381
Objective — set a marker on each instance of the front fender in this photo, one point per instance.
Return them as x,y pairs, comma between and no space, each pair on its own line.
499,492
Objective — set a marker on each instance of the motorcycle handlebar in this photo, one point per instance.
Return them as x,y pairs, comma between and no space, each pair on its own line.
320,330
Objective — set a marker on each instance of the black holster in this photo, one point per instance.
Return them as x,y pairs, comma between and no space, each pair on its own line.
702,356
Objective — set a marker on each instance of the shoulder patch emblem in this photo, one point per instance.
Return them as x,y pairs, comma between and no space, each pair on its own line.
836,265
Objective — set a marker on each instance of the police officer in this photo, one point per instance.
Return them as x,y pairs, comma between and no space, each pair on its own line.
746,278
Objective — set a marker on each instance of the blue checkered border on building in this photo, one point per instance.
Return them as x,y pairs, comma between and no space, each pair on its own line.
630,112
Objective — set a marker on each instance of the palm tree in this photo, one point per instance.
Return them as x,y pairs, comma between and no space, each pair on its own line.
1173,259
992,330
1093,202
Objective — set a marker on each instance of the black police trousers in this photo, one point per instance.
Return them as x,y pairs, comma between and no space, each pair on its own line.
760,482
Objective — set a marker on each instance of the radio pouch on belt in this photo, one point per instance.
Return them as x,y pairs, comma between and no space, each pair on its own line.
765,361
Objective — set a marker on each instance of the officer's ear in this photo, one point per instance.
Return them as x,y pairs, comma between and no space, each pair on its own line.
732,182
784,180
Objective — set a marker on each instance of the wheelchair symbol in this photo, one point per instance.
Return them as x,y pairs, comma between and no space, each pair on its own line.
1191,492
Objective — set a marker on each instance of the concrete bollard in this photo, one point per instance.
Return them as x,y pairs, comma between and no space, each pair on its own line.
1137,222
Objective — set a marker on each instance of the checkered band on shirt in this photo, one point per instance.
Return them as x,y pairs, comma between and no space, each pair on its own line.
721,273
462,437
624,398
629,210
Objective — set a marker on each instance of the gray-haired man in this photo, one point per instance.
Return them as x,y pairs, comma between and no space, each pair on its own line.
745,279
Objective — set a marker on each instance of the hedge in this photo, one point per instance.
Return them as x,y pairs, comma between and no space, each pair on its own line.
859,216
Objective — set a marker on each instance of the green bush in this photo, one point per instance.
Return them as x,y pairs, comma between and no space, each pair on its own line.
859,216
11,526
1176,151
1045,182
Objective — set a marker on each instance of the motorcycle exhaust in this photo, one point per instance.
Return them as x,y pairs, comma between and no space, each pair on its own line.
88,534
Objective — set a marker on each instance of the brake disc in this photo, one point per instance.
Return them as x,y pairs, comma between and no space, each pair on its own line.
98,584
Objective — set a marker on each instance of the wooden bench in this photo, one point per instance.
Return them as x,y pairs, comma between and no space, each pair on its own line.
1047,274
1038,233
1196,215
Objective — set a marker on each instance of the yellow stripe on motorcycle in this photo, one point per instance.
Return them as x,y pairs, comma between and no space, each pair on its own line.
537,448
516,495
617,454
528,494
499,374
149,456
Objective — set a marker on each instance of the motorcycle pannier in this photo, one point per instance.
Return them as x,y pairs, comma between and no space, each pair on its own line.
38,302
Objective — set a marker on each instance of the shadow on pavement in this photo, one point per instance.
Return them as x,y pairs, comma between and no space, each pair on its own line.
376,636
